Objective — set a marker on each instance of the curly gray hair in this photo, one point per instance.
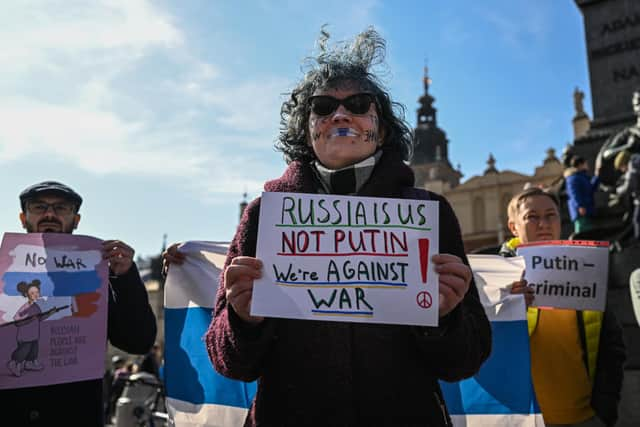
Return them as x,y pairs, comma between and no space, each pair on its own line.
345,65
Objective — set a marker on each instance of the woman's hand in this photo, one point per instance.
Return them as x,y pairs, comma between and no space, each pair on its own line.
238,283
171,256
455,277
520,287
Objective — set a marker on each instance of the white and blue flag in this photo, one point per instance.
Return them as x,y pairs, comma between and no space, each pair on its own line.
196,394
501,393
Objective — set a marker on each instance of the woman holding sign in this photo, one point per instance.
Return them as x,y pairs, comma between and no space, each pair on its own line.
341,135
576,356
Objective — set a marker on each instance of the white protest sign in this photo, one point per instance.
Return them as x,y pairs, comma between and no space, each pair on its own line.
567,273
350,259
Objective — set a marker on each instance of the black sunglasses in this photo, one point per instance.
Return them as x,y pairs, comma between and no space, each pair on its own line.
323,105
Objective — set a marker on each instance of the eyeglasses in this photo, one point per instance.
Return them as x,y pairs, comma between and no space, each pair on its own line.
323,105
60,208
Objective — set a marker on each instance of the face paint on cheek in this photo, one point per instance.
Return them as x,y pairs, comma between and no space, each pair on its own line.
370,136
374,121
315,134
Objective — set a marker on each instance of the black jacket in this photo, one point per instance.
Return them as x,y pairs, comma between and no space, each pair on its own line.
131,326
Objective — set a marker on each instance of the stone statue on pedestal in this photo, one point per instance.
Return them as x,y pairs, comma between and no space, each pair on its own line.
626,139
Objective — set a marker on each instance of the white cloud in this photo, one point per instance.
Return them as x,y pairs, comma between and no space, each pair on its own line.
97,141
30,31
66,95
114,87
100,142
251,105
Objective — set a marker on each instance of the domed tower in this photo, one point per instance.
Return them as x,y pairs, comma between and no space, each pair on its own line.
430,161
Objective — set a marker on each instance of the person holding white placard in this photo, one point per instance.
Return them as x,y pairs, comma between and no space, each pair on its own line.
577,357
341,134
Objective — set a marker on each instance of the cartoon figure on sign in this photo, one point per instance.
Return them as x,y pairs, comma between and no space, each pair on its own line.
27,320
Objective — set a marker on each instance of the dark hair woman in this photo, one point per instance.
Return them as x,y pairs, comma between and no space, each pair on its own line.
341,134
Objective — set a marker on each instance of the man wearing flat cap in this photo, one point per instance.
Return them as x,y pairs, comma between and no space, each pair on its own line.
52,207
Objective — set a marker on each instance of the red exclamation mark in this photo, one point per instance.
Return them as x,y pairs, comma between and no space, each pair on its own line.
423,245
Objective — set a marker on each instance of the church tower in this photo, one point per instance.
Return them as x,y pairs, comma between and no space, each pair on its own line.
243,205
430,161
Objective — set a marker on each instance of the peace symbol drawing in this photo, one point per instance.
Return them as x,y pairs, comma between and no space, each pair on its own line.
424,299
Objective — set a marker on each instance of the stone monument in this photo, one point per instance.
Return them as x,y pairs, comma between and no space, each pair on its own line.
626,139
612,33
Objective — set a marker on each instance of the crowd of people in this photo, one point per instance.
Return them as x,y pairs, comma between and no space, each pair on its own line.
577,357
342,134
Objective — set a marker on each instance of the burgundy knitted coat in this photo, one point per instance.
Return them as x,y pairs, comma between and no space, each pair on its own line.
321,373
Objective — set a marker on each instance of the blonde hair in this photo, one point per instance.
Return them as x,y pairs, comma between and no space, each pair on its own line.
518,199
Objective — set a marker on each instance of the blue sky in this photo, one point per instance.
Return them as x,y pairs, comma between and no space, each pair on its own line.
161,114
